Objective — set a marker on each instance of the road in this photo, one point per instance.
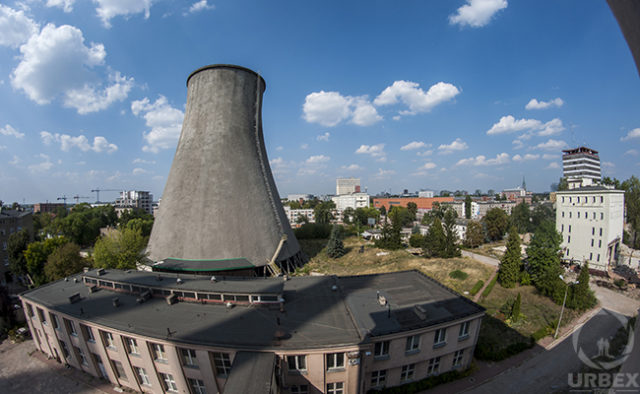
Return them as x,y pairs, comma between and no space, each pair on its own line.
615,301
481,258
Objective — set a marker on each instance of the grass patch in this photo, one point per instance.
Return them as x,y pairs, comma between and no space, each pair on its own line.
476,288
457,274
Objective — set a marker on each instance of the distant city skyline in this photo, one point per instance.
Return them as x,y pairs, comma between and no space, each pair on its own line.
427,95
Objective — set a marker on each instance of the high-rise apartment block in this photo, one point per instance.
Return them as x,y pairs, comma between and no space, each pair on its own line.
136,199
347,186
581,167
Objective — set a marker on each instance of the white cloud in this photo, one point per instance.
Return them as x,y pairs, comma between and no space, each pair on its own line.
608,164
352,167
427,166
372,150
143,161
15,27
90,99
535,104
631,152
477,13
319,159
635,133
415,145
526,157
65,5
280,148
139,171
552,127
100,144
164,120
425,153
108,9
201,5
552,166
551,144
482,160
410,94
323,137
16,160
457,145
11,132
43,166
383,173
304,146
278,161
331,108
508,124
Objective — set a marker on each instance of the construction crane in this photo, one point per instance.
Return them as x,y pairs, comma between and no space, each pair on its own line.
77,198
97,191
63,198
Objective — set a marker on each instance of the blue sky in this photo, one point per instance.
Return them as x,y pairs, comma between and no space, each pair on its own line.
465,94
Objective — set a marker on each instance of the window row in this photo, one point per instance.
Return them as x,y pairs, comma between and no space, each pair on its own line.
407,372
585,199
585,216
412,343
298,363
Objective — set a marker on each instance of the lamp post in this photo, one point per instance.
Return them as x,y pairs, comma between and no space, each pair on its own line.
566,290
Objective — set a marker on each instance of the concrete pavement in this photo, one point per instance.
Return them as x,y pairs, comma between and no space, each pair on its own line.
481,258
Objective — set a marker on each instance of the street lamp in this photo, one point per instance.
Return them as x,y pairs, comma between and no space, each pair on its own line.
566,290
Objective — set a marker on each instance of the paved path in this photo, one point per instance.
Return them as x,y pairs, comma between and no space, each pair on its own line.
615,301
481,258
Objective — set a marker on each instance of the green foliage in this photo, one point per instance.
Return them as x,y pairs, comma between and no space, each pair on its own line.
16,245
541,213
487,290
424,384
491,344
322,212
476,288
520,217
383,211
495,224
474,235
348,215
363,214
542,332
450,247
582,297
416,240
121,249
457,274
511,261
434,240
543,255
401,215
515,312
82,225
136,219
335,247
390,238
313,231
621,283
467,207
412,209
525,278
37,254
63,262
631,189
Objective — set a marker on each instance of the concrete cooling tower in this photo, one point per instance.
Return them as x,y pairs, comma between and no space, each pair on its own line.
220,210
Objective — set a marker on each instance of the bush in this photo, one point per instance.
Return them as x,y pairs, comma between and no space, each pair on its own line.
313,231
416,240
457,274
525,278
426,383
621,283
541,333
476,288
488,289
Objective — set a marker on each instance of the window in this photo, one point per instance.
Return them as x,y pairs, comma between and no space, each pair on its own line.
108,340
88,333
562,213
569,214
593,199
592,242
601,231
440,337
434,366
413,343
590,256
381,349
464,330
601,215
407,372
586,215
578,214
601,199
197,386
132,346
457,358
593,231
143,378
562,199
567,252
569,228
42,316
562,228
56,321
594,216
30,310
378,378
335,360
158,353
297,363
300,389
117,366
569,239
599,243
168,382
189,358
65,349
335,388
71,326
598,258
222,363
83,358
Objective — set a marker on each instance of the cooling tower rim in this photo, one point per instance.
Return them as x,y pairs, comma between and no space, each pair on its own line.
233,66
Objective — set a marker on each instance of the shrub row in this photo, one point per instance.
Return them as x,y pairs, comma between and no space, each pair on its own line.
313,231
476,288
424,384
488,289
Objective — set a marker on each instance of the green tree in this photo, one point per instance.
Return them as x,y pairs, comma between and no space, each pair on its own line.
631,189
450,246
363,214
509,270
611,182
434,240
335,247
541,213
64,261
144,225
390,238
543,254
16,245
412,208
515,312
349,215
520,217
122,249
383,211
322,212
467,207
474,235
495,224
562,185
37,254
416,240
582,296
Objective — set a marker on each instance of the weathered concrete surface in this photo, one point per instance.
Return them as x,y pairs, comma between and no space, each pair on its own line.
220,200
481,258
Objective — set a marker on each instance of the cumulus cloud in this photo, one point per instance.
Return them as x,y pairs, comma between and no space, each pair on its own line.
526,157
44,165
415,145
10,131
139,171
15,27
551,144
425,153
352,167
201,5
535,104
477,13
631,152
457,145
91,99
323,137
552,127
164,121
143,161
319,159
372,150
381,174
100,144
508,124
552,166
108,9
410,94
331,108
65,5
482,160
427,166
633,134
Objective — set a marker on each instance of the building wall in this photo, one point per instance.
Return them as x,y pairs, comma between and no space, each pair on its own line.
602,226
347,185
354,201
48,207
484,207
422,203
